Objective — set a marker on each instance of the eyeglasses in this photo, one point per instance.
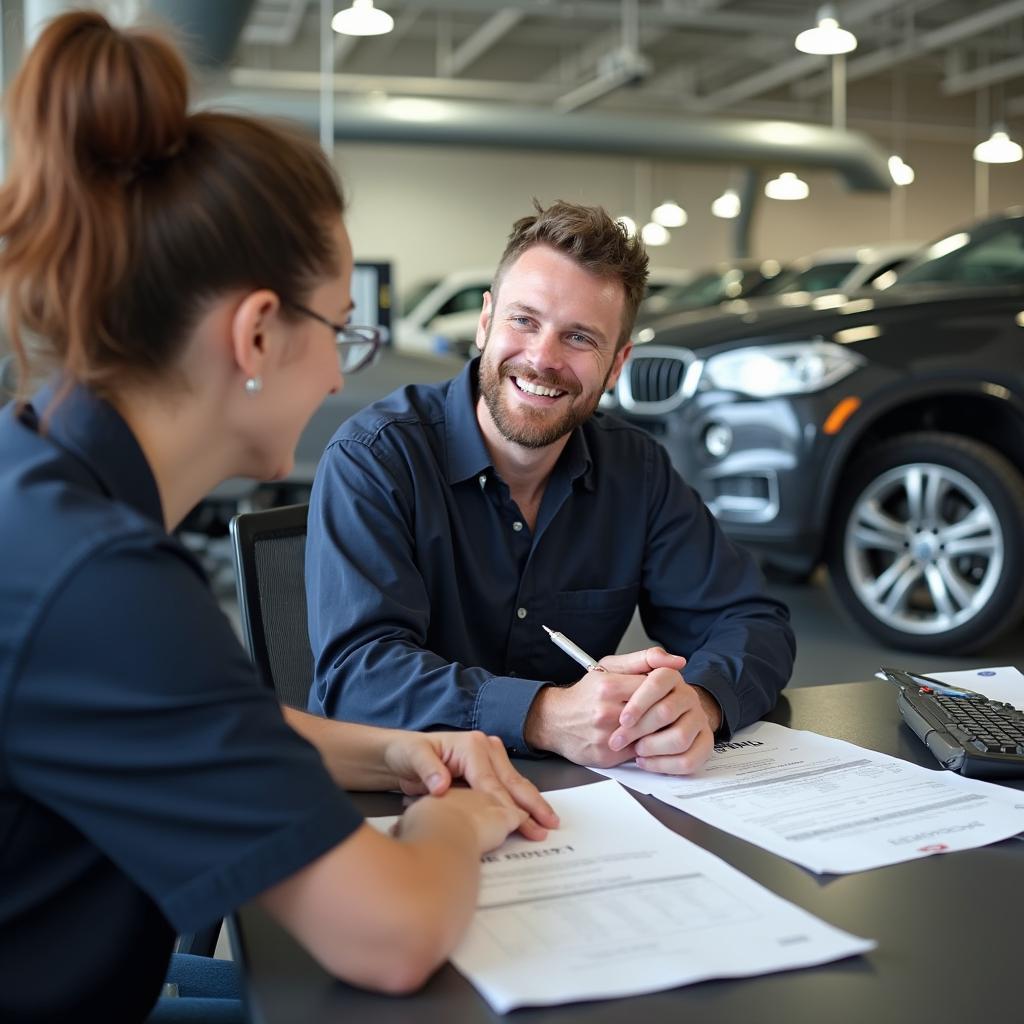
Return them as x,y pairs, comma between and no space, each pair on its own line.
357,346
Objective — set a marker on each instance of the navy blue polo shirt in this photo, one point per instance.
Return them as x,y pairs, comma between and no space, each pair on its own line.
148,782
427,589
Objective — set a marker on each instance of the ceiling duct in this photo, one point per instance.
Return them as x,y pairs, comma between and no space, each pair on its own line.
208,30
861,164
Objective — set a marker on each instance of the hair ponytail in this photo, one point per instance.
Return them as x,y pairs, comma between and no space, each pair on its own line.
122,214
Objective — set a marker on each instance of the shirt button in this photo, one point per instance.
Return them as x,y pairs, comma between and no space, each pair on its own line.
482,479
521,612
517,526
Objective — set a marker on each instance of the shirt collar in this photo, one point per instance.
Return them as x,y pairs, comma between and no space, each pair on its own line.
467,453
94,432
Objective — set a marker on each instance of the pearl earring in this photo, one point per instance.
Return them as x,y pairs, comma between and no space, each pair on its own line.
254,385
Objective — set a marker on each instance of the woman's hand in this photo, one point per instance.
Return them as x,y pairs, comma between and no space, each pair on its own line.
430,762
491,818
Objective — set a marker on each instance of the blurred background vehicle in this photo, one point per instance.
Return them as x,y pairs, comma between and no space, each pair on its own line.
881,434
846,269
433,305
733,279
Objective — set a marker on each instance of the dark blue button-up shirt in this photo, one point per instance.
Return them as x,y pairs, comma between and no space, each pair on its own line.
427,589
148,782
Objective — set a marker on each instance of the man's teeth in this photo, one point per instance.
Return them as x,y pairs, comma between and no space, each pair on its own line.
537,389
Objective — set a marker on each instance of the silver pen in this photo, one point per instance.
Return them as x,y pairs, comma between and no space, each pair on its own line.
577,654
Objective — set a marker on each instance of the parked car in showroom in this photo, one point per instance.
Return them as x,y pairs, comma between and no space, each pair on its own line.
845,268
706,289
881,433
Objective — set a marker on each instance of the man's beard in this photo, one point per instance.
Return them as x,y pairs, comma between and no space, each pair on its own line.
532,428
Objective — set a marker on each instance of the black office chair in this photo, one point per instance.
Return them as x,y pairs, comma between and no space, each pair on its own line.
270,550
8,378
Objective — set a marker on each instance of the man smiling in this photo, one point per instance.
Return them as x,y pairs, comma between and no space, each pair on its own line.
449,523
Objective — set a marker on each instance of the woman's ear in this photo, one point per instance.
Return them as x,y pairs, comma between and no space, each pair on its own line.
250,326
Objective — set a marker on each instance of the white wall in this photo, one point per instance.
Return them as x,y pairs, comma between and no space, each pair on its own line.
433,209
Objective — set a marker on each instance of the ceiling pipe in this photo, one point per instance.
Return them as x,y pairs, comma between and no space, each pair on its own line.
208,30
859,161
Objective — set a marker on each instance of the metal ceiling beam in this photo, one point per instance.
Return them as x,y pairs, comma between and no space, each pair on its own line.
916,45
479,42
795,67
603,10
1014,107
754,85
622,66
275,24
979,78
629,68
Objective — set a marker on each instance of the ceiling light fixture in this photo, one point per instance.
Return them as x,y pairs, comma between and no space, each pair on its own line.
900,171
654,234
826,38
727,205
787,186
362,19
998,148
669,215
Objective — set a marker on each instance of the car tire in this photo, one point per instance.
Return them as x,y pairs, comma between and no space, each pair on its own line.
926,544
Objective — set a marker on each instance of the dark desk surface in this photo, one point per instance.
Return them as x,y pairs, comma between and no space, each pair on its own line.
948,928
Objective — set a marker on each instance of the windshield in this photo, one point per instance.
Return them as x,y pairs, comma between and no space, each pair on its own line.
415,295
820,278
991,255
703,290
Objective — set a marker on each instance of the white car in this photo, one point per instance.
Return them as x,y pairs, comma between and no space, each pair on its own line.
440,317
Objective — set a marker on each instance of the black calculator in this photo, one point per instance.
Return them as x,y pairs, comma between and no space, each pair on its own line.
967,732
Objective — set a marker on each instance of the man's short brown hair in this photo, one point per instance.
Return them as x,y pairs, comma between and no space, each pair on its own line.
589,236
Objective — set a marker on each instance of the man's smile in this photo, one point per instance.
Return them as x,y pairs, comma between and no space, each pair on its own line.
537,390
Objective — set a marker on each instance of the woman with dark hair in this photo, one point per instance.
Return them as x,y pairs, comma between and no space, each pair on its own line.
187,276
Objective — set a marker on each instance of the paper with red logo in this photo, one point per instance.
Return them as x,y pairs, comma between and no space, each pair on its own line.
832,806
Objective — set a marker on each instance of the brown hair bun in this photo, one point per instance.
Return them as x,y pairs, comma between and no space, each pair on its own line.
110,101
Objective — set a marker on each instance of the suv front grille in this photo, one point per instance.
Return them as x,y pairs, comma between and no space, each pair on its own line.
657,380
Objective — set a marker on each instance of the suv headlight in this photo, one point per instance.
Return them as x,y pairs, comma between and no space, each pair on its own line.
768,371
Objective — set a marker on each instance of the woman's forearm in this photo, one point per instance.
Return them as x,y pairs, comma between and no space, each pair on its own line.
353,754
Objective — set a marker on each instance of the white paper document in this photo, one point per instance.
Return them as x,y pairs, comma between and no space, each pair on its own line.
833,806
1005,684
615,904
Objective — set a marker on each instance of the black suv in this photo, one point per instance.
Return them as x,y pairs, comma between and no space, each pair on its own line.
881,433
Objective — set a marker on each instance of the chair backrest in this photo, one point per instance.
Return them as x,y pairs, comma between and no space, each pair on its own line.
8,378
270,550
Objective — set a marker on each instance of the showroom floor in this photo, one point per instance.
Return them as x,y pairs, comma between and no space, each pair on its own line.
831,649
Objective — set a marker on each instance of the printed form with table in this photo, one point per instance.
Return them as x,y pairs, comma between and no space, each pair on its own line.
613,903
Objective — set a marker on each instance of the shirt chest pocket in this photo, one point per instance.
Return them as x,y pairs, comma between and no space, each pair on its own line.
594,619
